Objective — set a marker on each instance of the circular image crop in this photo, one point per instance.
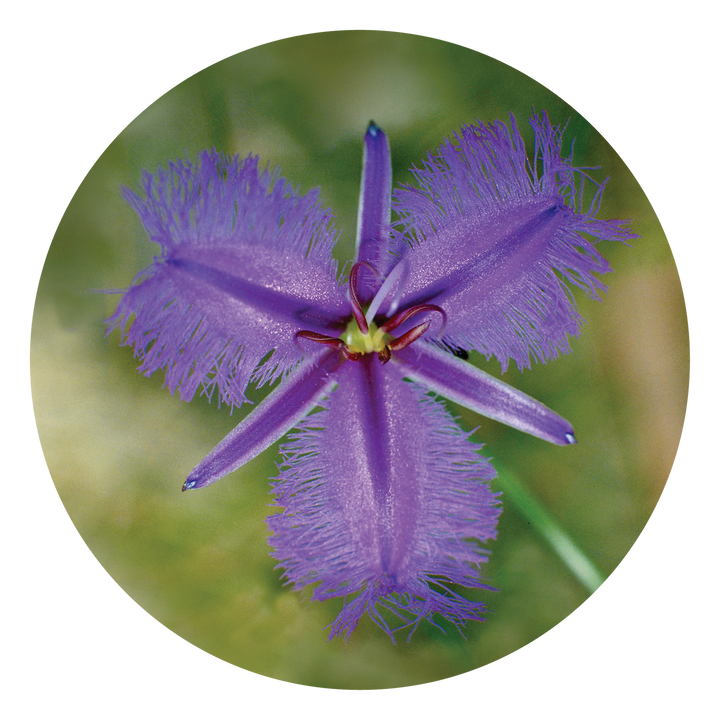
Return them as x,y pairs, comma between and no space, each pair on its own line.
410,338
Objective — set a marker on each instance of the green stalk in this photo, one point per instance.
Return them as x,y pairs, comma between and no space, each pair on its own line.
569,552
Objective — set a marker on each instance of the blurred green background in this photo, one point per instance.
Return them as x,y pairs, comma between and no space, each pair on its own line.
119,446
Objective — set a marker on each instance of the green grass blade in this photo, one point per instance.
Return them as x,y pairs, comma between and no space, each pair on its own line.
570,553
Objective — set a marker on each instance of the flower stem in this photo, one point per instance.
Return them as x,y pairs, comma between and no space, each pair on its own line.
573,557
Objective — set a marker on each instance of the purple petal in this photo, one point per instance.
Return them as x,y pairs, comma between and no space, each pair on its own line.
497,243
373,232
245,264
269,421
384,498
466,385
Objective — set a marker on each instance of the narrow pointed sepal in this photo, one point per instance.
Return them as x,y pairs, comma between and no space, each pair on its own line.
267,423
482,393
373,233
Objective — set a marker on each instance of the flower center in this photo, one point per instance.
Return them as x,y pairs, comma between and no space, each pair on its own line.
357,341
362,337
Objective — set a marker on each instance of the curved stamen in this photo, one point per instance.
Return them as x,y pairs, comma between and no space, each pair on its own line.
409,337
372,338
355,303
354,300
326,340
400,318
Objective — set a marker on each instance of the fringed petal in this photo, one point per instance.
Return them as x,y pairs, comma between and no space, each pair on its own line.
476,390
245,264
384,501
497,240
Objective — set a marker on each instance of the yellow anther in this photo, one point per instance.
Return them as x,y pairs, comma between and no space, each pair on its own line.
364,343
378,338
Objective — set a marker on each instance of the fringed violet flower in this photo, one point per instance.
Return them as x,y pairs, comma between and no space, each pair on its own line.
385,501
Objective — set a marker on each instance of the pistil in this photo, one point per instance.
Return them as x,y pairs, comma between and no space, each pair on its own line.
363,338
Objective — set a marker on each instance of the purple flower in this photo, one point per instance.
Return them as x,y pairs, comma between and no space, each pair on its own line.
385,500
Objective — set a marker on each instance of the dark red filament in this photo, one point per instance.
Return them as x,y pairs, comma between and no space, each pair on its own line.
388,326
